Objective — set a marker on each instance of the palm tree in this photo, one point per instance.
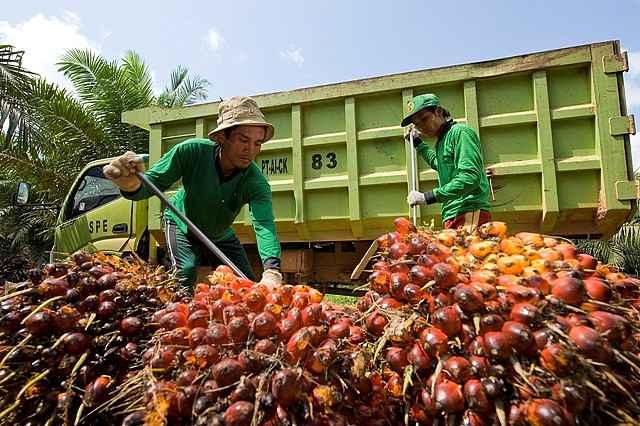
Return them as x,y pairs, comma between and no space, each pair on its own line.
48,134
622,249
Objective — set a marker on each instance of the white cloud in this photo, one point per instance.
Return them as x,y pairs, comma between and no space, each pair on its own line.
632,89
44,39
293,55
214,39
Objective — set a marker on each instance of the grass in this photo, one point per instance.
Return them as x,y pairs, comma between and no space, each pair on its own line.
340,300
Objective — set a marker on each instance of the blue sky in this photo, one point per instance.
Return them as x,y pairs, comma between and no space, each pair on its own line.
252,47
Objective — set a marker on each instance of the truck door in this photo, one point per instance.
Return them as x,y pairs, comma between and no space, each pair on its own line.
95,217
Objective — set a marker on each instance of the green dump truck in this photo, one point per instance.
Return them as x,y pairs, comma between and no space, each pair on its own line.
553,126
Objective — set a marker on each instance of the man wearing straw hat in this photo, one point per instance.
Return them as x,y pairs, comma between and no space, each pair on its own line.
218,179
463,186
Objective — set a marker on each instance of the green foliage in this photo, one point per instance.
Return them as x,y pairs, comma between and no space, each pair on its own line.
48,134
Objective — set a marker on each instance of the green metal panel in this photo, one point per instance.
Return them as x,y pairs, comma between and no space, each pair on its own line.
551,124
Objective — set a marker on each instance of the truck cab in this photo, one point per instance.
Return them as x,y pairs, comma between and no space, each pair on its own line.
95,217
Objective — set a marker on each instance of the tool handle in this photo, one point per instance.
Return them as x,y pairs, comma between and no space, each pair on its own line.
191,226
413,177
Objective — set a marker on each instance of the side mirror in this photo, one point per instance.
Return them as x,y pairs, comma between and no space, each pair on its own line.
22,193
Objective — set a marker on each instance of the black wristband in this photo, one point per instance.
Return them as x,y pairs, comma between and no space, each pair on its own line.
271,263
416,141
430,197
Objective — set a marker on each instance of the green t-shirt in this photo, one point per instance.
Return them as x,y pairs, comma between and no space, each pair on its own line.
210,202
462,181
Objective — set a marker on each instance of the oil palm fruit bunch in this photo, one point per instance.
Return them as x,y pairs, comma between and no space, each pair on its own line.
70,334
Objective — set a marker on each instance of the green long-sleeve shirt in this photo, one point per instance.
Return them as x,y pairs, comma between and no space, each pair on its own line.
209,201
462,181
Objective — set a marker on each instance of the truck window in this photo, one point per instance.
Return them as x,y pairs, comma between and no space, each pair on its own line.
93,191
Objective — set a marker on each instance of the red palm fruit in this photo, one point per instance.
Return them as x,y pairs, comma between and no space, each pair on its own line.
479,366
546,412
381,265
597,289
340,329
417,245
264,325
299,344
238,329
300,299
428,402
476,397
295,315
265,346
217,335
448,320
403,226
420,275
199,318
434,341
384,241
227,372
590,343
542,337
468,298
449,397
568,251
418,358
40,323
498,345
198,336
356,335
570,395
217,310
285,386
524,313
444,275
614,327
587,261
66,318
539,283
255,300
239,414
286,328
556,359
520,336
376,323
472,418
394,385
569,290
413,294
97,391
318,334
400,267
76,343
398,281
477,347
389,303
171,320
458,368
312,314
397,359
398,250
205,355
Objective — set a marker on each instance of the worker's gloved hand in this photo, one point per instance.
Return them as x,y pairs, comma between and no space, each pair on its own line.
271,278
421,198
122,171
412,130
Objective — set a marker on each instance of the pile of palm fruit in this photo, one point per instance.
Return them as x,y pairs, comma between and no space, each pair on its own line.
455,329
70,334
